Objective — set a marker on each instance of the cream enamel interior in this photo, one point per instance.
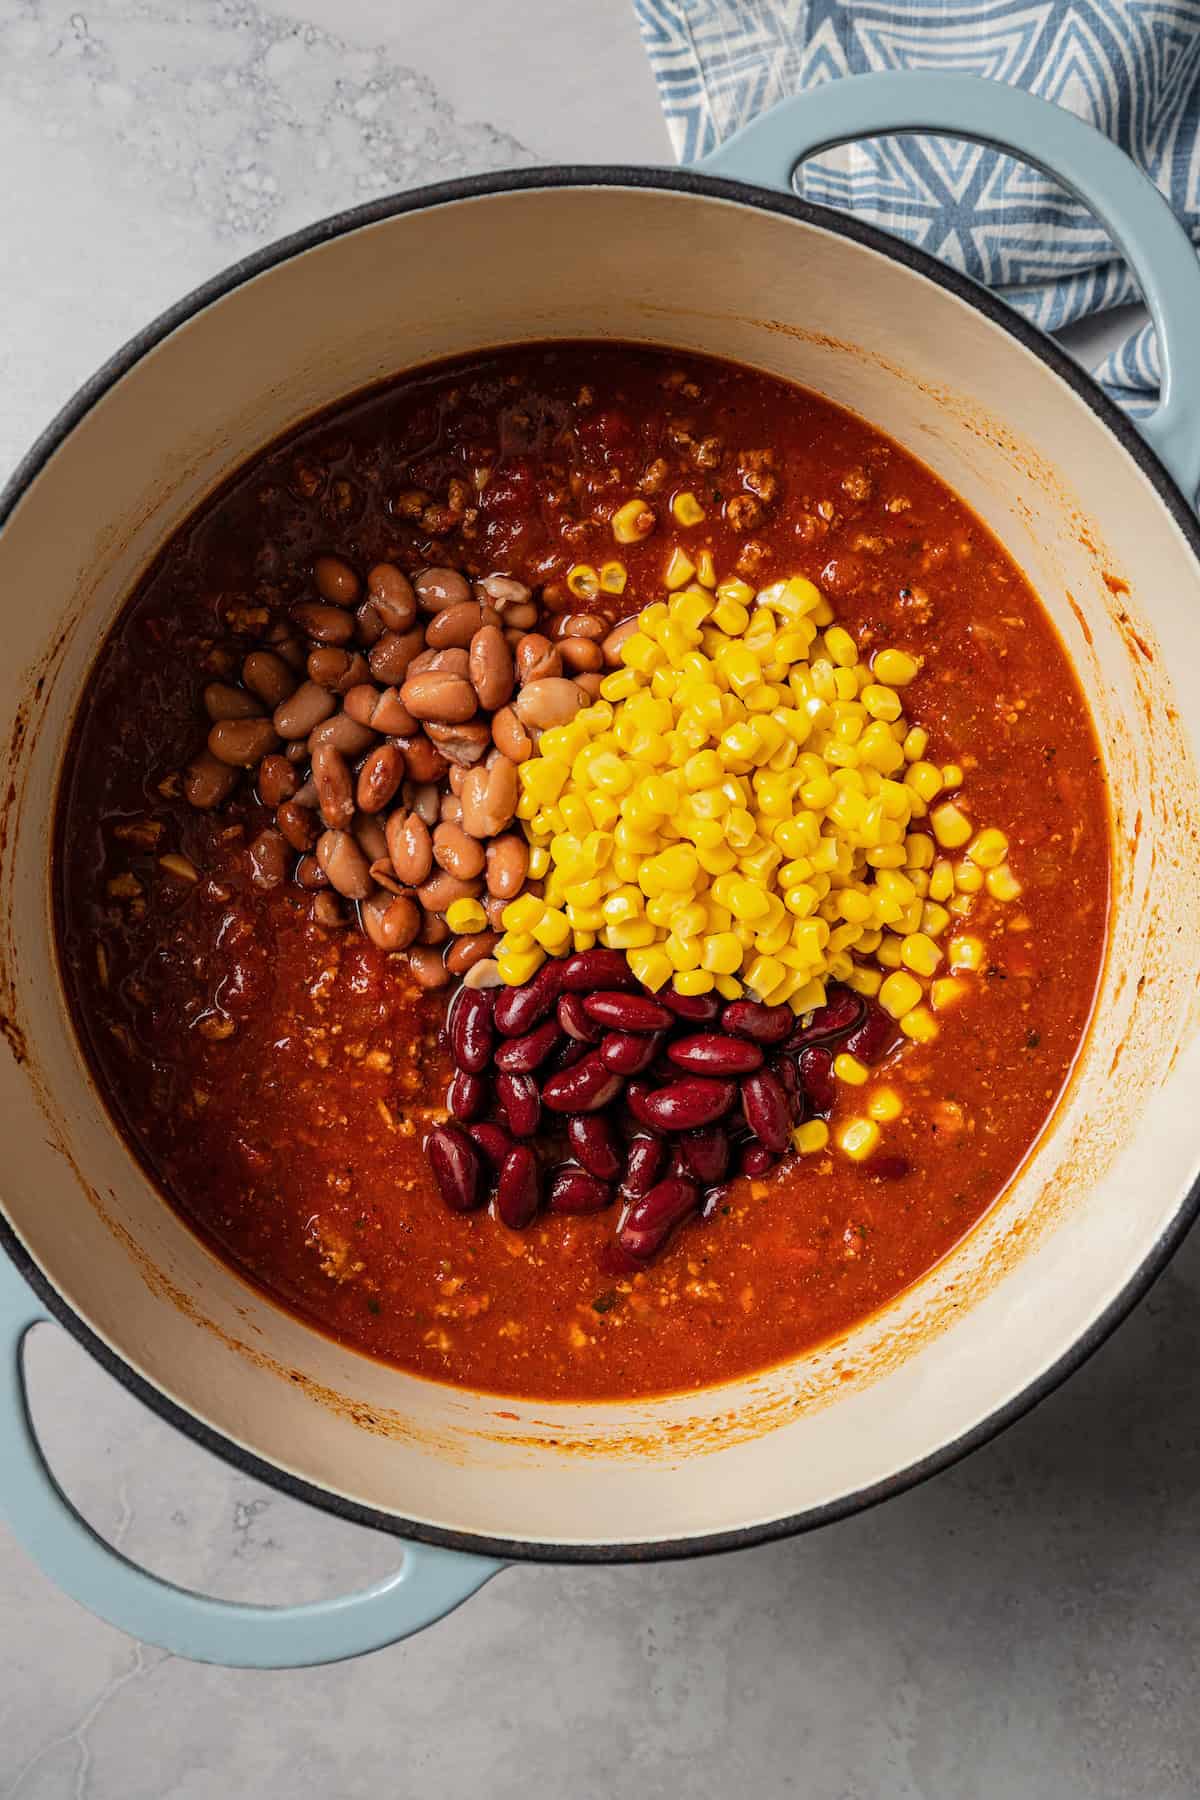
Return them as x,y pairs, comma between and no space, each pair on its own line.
1064,496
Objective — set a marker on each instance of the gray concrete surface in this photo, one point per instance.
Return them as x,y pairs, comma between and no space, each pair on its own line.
1022,1628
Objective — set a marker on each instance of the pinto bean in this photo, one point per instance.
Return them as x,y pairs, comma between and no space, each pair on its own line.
342,733
337,669
443,889
310,874
423,761
550,701
427,968
372,838
221,701
391,921
434,929
297,824
437,588
449,662
336,581
510,735
207,781
379,777
391,594
489,798
491,667
589,684
296,716
507,860
327,911
323,624
580,655
344,864
461,745
266,674
360,702
242,742
277,779
268,859
454,626
368,626
436,694
335,787
390,656
584,625
450,810
536,658
393,717
465,952
410,847
613,643
504,592
456,852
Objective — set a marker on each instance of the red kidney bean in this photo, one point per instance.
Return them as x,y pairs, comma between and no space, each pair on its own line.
625,1053
706,1153
626,1012
874,1037
842,1011
585,1088
711,1053
815,1068
467,1095
715,1197
519,1009
569,1052
574,1020
700,1009
492,1141
520,1103
518,1191
762,1024
765,1106
650,1221
520,1056
576,1191
685,1104
456,1167
588,970
469,1028
644,1160
887,1168
755,1159
784,1071
593,1145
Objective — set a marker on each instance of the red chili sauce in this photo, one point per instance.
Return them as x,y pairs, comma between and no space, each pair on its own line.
292,1143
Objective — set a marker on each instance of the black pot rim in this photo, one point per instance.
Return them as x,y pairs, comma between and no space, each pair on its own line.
1000,314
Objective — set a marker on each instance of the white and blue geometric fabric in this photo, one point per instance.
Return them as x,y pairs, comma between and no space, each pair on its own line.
1130,67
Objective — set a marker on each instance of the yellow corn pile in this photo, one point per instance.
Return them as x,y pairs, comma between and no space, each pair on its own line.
746,808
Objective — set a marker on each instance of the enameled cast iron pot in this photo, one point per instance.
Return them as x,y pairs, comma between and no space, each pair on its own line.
722,260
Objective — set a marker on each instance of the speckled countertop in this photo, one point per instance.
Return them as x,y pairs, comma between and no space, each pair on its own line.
1025,1626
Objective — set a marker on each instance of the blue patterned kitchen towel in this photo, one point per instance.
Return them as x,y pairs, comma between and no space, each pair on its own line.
1131,67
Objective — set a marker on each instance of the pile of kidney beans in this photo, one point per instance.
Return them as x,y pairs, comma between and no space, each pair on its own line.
580,1090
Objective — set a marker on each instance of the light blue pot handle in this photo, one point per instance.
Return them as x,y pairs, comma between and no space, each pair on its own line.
429,1583
1091,166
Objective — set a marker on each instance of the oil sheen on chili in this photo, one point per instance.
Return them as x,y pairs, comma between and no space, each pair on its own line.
291,1138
